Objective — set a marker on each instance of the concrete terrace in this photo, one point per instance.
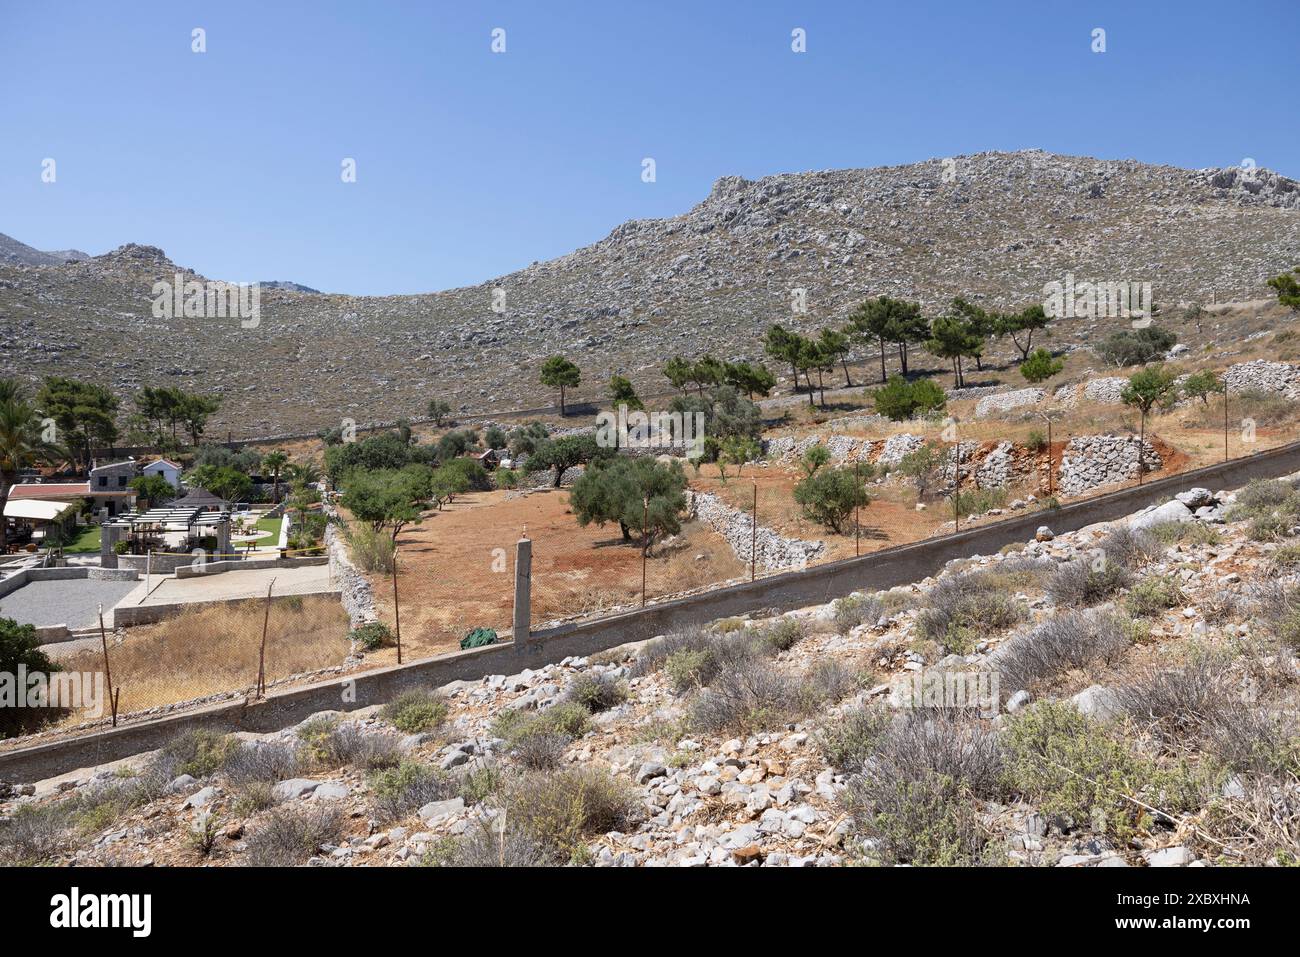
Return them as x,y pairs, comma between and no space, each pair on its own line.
74,602
249,583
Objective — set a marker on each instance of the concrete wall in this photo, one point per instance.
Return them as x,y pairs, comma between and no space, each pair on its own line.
129,615
14,582
160,563
240,564
881,569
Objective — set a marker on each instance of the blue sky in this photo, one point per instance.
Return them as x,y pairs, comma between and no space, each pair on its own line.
471,164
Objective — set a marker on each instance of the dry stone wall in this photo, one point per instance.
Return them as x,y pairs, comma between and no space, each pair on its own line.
1091,461
773,551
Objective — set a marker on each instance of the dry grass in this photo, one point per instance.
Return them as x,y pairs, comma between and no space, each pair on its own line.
214,648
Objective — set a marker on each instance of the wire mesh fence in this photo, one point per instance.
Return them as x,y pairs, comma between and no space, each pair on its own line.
230,647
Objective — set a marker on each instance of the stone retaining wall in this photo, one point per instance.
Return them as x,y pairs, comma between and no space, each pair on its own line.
1264,376
357,597
773,552
1091,461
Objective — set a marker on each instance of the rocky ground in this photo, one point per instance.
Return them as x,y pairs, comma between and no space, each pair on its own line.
1133,702
996,231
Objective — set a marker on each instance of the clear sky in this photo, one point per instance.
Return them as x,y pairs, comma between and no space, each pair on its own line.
471,164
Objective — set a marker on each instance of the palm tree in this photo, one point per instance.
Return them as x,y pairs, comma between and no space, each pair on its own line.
274,462
302,475
21,442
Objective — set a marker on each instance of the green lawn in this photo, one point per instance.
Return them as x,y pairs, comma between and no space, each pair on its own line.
87,541
272,527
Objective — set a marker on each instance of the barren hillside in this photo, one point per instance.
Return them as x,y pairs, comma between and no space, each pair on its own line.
995,227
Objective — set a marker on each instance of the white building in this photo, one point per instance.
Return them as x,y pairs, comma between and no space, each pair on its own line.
168,470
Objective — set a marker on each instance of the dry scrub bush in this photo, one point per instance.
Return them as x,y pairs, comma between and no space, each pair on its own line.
1182,700
964,609
1083,582
415,711
290,836
400,790
491,843
540,752
596,692
327,743
1130,547
1074,639
854,610
561,811
749,695
913,795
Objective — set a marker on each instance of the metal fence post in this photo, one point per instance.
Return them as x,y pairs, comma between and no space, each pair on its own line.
645,542
261,654
857,524
1225,420
108,674
397,609
523,593
753,539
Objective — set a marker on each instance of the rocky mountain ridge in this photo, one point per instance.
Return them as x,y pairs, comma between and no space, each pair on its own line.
800,248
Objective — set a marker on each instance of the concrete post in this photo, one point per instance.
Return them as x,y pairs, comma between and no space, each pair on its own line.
523,594
109,535
223,540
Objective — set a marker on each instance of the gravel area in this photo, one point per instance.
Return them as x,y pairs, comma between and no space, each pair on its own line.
74,603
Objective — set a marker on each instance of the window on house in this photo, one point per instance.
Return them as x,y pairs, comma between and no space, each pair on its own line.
103,481
121,481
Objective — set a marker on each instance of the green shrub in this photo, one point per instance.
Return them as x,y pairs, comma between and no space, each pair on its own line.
977,501
596,692
325,743
783,634
690,668
900,399
415,711
1268,528
1132,347
1150,596
480,783
372,635
19,647
1036,441
561,811
567,718
853,610
851,739
1188,533
200,753
1072,767
410,785
831,496
964,609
